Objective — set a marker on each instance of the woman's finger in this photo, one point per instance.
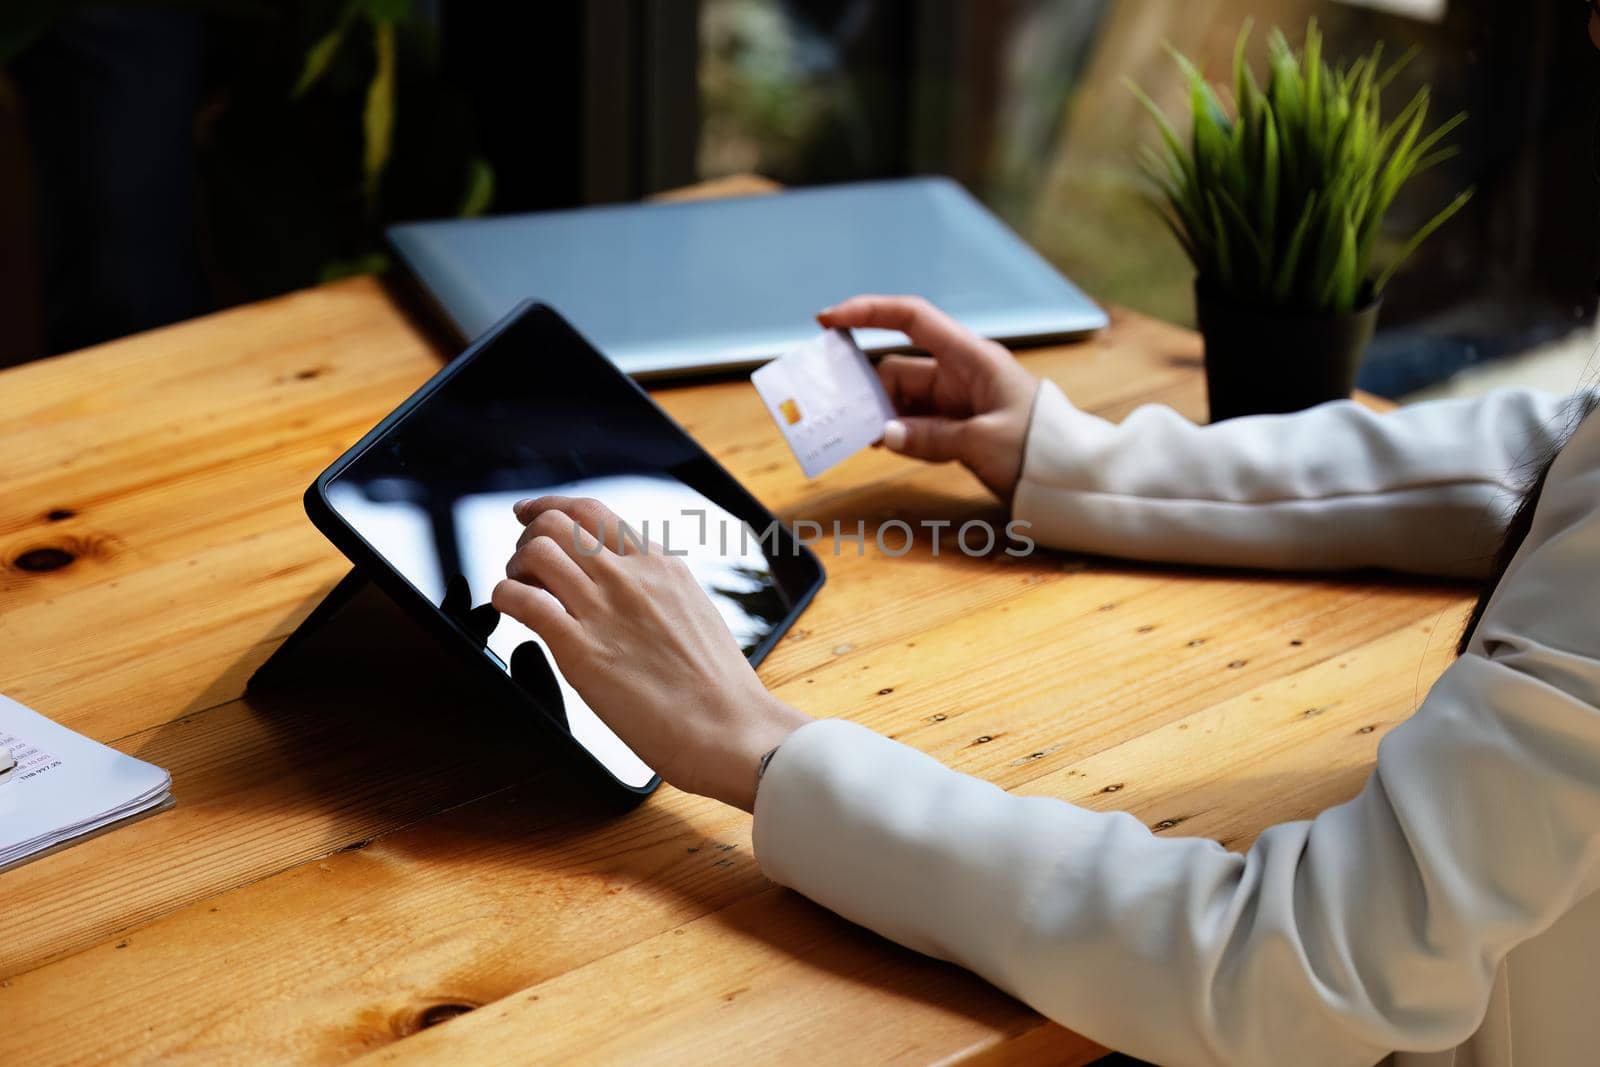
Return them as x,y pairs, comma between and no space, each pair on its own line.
591,515
540,611
575,537
928,328
928,437
909,381
544,561
556,523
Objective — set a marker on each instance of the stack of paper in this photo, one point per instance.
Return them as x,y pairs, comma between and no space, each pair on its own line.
65,786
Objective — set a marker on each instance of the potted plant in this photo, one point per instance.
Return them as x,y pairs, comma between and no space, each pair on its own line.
1279,206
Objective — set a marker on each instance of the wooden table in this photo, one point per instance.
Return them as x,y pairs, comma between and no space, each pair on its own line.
343,880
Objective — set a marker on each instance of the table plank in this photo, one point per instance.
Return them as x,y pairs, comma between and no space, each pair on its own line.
1085,658
503,889
175,461
870,609
183,466
169,467
698,984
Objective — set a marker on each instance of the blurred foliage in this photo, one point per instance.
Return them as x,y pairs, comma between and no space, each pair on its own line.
1060,165
1095,224
340,125
321,123
768,85
377,115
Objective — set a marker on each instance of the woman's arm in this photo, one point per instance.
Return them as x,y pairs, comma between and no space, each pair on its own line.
1422,489
1376,926
1426,488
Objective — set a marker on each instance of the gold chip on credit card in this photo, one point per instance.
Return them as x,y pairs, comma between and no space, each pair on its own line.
791,411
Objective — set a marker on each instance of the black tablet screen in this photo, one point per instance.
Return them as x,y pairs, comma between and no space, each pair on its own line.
537,411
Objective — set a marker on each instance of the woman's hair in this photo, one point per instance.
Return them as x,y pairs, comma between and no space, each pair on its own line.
1517,530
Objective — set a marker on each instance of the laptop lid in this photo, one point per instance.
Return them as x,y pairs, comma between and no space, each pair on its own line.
681,287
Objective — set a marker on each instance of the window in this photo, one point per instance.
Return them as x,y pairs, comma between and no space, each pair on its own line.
1024,101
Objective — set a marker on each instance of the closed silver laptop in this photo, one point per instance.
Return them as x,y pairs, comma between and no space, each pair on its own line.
675,288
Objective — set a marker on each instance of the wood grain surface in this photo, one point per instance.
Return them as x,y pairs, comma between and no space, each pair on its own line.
382,872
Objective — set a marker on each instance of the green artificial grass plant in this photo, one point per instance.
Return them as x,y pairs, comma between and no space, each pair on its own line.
1280,206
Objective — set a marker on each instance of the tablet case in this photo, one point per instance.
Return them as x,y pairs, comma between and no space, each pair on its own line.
368,609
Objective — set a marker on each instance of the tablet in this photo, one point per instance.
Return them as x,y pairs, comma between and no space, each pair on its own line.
423,502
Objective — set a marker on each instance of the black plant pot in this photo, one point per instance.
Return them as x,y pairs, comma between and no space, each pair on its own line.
1261,362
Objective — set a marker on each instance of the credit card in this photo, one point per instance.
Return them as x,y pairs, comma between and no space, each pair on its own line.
826,398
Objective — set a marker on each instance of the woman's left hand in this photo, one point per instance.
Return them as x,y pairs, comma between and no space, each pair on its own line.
640,641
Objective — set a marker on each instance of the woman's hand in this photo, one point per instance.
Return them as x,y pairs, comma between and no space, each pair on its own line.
968,399
637,637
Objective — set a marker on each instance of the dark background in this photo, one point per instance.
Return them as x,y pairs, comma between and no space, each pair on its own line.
159,160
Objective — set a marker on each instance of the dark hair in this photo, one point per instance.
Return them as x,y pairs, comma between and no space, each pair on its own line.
1517,529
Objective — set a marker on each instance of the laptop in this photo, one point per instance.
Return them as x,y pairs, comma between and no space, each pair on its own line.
680,288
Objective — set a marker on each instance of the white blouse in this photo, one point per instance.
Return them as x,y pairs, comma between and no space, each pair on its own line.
1448,908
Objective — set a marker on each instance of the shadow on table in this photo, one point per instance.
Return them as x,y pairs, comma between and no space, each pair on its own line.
382,701
371,726
383,739
381,745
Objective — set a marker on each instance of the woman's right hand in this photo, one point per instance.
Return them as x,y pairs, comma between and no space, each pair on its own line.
968,399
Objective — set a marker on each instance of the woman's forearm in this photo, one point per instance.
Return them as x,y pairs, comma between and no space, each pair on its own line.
1424,489
1377,926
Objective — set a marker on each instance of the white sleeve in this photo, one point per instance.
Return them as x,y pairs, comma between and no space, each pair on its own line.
1425,488
1377,926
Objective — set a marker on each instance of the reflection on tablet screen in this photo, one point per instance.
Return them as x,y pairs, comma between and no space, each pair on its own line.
434,497
484,532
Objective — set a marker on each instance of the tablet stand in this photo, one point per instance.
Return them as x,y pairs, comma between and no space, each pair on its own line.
279,669
356,637
362,650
